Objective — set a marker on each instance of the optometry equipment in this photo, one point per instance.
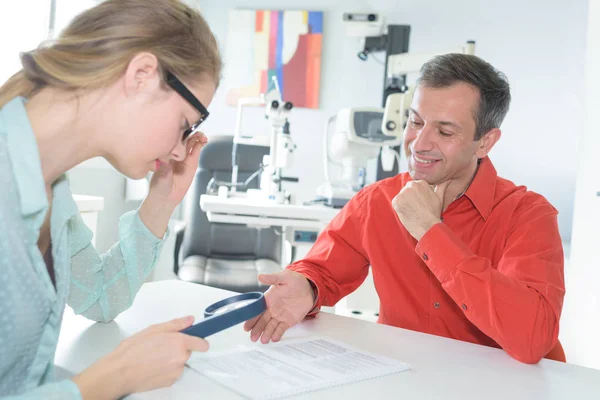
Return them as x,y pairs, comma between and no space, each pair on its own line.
227,313
281,146
363,24
358,137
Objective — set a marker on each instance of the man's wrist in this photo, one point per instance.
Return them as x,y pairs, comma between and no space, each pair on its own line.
426,226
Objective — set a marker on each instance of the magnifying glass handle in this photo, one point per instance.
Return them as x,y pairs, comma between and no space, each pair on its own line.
204,328
214,322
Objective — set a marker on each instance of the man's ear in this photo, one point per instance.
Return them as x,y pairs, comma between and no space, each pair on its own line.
487,142
142,74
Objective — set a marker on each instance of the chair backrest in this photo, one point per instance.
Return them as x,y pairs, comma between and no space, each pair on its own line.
225,241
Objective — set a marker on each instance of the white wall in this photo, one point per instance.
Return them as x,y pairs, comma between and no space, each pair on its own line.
23,25
581,313
538,44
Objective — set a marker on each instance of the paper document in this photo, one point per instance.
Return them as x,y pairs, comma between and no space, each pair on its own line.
292,367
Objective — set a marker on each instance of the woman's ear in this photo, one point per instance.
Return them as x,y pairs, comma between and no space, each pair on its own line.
142,74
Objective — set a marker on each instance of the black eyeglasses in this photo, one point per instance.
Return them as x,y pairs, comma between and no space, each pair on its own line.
184,92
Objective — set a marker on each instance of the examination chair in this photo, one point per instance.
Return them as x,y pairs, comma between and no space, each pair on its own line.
226,256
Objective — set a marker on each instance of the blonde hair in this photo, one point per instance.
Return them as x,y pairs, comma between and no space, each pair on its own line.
95,49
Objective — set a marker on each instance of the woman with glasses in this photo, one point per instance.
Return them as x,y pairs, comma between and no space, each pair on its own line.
128,80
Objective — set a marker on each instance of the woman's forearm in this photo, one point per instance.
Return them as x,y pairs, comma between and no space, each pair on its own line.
155,215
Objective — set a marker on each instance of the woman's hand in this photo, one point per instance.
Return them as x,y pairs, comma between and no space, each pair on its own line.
172,181
168,187
150,359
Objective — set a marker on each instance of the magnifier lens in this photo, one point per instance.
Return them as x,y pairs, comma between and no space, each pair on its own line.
233,306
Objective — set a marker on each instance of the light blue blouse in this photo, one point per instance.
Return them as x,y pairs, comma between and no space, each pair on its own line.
97,286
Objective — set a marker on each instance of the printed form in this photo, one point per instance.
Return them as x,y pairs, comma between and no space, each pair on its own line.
292,367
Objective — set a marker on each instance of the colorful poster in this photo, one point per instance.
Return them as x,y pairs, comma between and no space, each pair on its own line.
284,44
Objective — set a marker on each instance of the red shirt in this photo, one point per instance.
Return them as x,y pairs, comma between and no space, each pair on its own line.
491,273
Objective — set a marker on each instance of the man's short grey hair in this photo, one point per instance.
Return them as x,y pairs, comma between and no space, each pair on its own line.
494,90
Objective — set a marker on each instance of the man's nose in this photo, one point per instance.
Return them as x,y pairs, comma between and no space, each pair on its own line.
424,140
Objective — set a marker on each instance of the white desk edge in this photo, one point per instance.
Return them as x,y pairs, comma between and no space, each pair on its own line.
440,367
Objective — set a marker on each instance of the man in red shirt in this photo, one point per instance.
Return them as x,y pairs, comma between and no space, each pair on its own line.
455,250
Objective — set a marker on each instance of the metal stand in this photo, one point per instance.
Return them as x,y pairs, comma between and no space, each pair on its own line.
394,42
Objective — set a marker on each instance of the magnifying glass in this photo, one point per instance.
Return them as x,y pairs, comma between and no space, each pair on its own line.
227,313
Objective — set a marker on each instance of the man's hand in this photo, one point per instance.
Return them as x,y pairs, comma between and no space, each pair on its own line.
289,299
419,206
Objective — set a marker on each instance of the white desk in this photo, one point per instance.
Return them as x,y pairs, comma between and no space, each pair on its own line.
241,210
441,368
87,204
89,207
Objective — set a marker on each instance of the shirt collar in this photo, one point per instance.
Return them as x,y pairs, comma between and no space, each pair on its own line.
482,189
24,157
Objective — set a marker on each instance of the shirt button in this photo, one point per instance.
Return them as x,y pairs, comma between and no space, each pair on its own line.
436,304
425,256
464,307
